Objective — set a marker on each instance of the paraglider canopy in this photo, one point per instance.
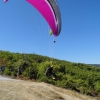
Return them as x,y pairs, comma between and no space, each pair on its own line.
5,1
50,11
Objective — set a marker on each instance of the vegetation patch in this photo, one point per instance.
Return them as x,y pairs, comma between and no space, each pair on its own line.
82,78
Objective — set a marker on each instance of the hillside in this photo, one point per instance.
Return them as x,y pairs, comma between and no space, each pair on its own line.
82,78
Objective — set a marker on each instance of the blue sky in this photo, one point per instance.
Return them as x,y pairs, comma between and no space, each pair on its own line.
23,29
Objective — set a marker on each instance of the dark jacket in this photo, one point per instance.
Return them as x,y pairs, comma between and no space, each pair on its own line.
49,71
2,68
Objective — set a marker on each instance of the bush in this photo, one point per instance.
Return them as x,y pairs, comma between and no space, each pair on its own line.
13,73
30,73
7,71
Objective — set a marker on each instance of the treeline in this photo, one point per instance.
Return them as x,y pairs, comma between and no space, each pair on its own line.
75,76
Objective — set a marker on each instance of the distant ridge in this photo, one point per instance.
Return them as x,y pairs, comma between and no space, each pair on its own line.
97,65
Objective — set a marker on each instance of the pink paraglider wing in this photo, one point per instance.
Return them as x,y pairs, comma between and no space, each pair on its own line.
45,8
5,1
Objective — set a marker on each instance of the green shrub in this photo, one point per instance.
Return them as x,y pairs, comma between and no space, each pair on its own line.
7,71
13,73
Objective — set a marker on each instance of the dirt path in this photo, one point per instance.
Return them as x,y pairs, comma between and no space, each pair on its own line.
25,90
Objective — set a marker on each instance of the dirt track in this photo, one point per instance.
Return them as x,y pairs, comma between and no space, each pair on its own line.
26,90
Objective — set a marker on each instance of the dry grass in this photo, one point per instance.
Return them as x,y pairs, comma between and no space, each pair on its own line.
26,90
